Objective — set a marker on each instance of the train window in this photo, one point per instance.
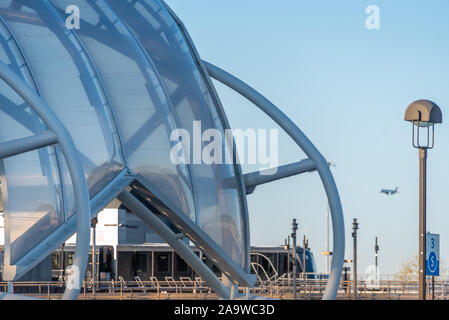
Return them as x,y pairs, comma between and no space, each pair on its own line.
162,263
70,259
285,263
141,262
105,258
181,265
54,261
253,258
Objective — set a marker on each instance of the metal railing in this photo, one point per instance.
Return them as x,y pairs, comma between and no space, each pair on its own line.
309,286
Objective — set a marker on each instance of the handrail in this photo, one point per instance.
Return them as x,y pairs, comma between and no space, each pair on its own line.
63,138
269,261
312,153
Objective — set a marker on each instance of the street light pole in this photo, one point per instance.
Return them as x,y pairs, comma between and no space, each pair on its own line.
376,250
287,247
422,223
355,226
305,246
423,114
327,239
294,228
93,224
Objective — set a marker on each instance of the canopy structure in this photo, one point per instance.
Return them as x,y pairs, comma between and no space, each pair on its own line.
87,114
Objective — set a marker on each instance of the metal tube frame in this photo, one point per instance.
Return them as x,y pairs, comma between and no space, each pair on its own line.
254,179
55,126
309,149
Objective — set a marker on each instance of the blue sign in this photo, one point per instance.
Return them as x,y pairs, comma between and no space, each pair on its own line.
432,254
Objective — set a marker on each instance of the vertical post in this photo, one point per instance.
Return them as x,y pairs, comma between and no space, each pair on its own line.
433,288
93,224
355,226
422,223
304,252
389,289
288,263
376,250
115,262
327,239
63,261
294,228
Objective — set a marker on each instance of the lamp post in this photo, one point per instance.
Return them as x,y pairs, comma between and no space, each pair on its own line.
294,228
376,254
423,114
93,224
287,247
355,227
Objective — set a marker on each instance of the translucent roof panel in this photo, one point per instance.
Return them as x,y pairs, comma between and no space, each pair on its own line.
139,101
68,82
34,174
218,206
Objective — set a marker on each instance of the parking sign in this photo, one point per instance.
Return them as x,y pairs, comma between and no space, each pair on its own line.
432,254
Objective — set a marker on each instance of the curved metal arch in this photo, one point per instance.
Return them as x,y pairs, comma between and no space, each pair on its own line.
57,134
309,149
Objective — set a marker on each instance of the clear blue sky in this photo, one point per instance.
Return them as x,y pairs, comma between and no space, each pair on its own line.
347,88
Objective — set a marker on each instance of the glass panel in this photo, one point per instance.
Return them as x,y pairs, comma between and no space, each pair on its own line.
143,112
218,207
69,84
30,182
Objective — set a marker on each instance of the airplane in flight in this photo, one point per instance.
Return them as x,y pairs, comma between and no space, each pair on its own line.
390,192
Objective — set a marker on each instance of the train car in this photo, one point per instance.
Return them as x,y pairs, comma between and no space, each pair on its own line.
156,261
144,261
161,262
63,257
